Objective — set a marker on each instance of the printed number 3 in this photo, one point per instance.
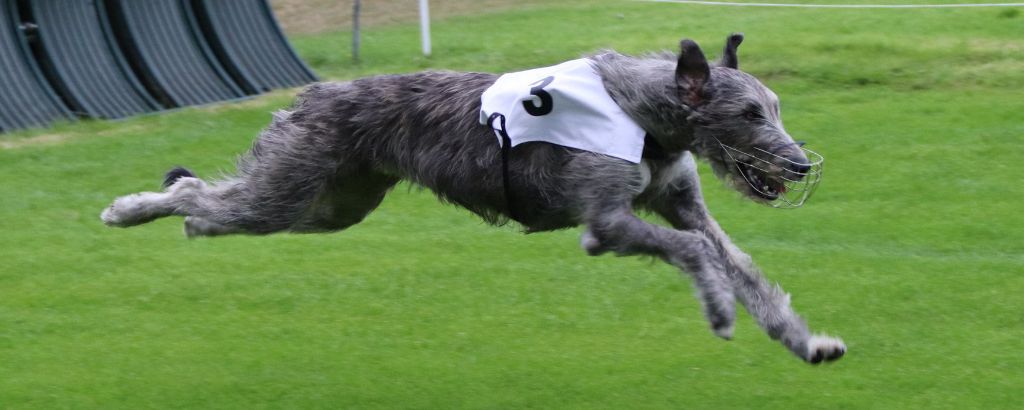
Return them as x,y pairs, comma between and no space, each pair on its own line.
545,106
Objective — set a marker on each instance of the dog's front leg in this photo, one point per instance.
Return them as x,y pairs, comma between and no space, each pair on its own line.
677,198
770,305
621,232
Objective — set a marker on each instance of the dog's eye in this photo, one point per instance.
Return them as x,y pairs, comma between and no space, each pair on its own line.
753,114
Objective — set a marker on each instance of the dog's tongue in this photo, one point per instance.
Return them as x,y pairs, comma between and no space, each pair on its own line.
782,189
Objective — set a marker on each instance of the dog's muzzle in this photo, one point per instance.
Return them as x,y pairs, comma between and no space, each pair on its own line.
790,188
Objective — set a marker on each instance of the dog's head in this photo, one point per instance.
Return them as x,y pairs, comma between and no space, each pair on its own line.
737,129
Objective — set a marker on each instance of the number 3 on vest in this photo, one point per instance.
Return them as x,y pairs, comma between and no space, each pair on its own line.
546,104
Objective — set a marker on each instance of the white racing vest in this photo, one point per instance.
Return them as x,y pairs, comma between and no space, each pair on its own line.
565,105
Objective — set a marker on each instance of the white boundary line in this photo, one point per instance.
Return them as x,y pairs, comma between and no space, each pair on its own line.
838,6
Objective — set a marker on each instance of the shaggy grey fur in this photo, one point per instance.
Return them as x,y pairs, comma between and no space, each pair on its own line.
327,162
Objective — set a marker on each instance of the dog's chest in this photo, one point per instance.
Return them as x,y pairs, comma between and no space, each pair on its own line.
680,173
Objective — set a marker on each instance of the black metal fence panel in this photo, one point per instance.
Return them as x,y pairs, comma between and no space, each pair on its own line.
26,99
170,54
83,62
248,40
62,59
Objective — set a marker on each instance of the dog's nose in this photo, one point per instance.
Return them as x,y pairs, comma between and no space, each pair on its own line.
800,169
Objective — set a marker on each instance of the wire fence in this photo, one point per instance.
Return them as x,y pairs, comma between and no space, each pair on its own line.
837,6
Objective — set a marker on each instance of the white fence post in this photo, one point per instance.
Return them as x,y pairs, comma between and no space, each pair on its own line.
356,40
425,26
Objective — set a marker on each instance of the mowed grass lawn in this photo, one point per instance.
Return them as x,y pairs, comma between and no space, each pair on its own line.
911,250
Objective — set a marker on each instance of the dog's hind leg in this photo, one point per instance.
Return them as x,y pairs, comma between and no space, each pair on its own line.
183,195
277,182
252,206
197,226
676,196
235,205
344,201
143,207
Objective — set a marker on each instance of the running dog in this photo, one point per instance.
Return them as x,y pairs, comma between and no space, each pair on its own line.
328,161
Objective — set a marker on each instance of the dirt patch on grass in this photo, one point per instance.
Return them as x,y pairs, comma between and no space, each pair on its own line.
318,16
45,139
73,134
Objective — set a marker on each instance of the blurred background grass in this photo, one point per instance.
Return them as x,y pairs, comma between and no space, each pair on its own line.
911,249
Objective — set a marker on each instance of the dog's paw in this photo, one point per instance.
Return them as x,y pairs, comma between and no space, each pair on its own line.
196,227
723,330
721,315
591,244
115,215
821,348
129,210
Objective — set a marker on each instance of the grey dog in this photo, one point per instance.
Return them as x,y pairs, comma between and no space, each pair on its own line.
327,162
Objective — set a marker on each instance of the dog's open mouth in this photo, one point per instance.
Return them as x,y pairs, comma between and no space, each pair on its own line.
783,188
762,186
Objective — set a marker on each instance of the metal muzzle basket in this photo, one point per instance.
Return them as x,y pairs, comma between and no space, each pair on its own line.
797,186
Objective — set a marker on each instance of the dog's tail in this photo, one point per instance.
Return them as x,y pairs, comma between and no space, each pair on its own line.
176,173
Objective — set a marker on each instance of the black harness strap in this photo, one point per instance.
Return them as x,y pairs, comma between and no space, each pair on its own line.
506,149
653,150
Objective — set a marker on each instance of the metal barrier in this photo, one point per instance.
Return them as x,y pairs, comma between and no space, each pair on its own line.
61,59
245,36
26,99
92,77
160,39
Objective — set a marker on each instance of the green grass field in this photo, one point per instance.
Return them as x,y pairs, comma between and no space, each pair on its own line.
911,250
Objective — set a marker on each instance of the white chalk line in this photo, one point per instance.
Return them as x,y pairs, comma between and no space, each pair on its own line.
838,6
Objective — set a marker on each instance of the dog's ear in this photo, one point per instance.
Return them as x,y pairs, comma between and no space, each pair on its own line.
729,58
692,72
